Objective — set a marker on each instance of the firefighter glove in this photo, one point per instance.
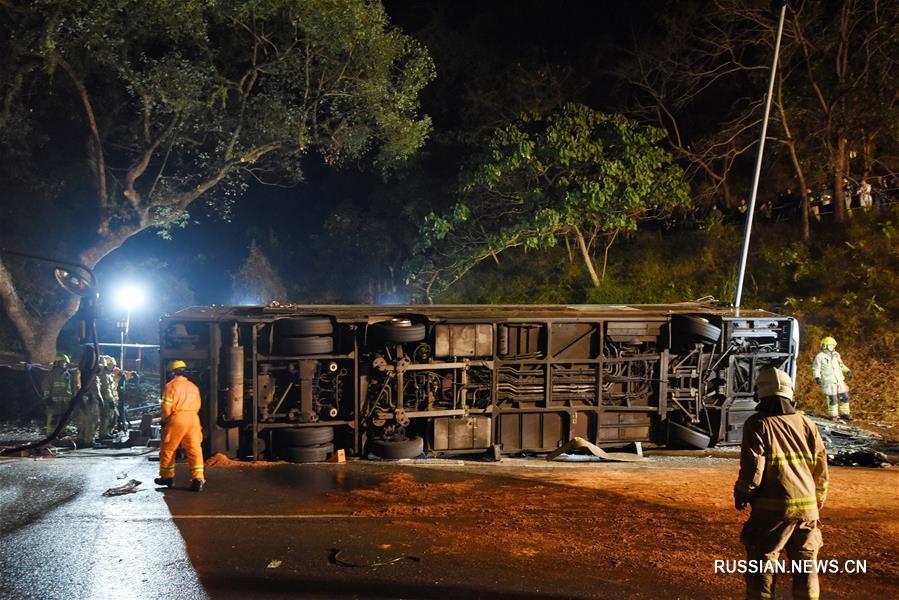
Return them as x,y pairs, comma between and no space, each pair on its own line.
818,380
848,374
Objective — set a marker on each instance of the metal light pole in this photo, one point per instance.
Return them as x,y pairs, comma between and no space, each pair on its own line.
124,337
758,162
128,298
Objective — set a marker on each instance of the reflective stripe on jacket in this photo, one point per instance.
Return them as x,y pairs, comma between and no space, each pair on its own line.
59,384
108,387
829,368
783,467
180,394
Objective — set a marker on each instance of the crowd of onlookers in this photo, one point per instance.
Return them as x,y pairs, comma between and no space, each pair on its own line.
867,194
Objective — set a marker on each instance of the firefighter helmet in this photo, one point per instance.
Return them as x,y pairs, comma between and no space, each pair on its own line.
828,341
774,382
177,364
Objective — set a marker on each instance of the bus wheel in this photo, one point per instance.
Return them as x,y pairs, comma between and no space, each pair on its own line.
294,346
304,436
398,331
683,436
302,326
304,454
695,327
410,448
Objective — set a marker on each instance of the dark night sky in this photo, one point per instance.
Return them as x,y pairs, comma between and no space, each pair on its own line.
207,252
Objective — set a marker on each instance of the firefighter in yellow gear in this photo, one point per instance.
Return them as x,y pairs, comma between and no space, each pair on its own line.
783,477
110,396
87,414
181,427
57,389
831,374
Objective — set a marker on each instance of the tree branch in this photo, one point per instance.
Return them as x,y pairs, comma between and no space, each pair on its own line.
92,124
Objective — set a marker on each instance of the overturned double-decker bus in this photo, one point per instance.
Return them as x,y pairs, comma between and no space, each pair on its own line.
299,382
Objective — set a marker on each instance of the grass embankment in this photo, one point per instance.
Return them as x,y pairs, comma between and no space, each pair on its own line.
842,283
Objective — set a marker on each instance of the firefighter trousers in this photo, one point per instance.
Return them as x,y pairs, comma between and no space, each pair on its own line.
764,539
108,418
86,417
182,429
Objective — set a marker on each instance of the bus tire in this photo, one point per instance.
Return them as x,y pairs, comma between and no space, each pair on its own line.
695,327
410,448
303,326
305,454
295,346
304,436
397,331
683,436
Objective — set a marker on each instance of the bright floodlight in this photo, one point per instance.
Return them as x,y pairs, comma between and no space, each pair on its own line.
130,297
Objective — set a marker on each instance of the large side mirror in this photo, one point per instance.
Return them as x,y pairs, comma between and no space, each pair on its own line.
71,281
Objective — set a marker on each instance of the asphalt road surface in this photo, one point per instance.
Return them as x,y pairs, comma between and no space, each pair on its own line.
254,532
520,529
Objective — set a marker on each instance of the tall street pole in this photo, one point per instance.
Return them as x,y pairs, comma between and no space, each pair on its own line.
750,214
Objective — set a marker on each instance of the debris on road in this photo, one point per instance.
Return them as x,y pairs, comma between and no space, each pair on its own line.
130,487
220,460
851,446
566,452
334,559
274,564
859,458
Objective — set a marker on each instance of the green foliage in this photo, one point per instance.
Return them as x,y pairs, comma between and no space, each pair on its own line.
216,92
575,173
844,282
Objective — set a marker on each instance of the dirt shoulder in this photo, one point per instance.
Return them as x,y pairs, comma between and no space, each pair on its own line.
660,523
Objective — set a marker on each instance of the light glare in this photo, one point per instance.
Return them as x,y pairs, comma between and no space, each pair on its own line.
130,297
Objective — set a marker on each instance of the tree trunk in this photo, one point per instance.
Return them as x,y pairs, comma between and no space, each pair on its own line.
839,172
37,334
585,254
794,158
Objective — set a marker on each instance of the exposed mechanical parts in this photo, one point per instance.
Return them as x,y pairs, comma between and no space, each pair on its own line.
299,383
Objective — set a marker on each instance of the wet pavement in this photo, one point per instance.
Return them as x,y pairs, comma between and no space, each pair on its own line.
60,538
522,529
254,532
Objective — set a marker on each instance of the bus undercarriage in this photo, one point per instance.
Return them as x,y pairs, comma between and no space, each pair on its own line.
300,382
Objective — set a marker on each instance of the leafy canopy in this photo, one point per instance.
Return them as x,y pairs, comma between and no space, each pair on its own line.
577,172
189,95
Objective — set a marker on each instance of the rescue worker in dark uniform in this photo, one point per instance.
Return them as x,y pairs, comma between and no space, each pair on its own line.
783,477
181,427
58,388
87,414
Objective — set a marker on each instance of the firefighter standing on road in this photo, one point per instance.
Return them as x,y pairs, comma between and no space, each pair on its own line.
831,374
783,476
58,387
109,391
181,427
87,413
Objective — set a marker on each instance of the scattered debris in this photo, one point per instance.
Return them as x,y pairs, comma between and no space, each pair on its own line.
274,564
334,559
858,458
851,446
339,456
130,487
567,452
220,460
